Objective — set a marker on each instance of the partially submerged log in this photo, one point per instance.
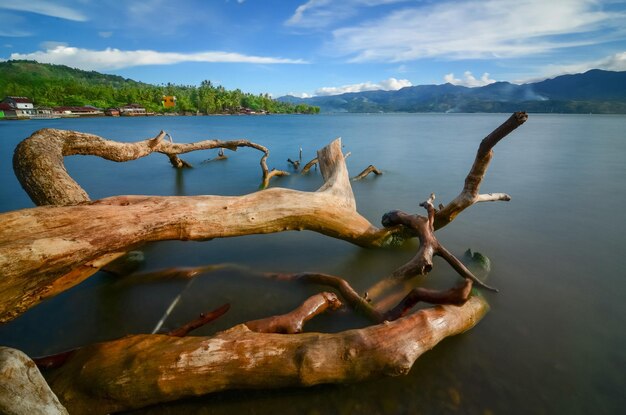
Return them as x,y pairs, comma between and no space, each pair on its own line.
142,370
59,246
38,160
367,171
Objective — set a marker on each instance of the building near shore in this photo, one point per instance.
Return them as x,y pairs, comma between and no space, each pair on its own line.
132,110
76,111
17,107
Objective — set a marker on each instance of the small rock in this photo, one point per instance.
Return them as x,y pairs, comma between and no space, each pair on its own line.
23,390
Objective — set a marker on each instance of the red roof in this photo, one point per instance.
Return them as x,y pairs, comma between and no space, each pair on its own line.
21,100
76,109
5,107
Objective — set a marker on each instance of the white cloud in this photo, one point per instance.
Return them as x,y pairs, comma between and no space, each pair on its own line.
105,35
616,62
46,8
300,95
391,84
110,58
51,44
324,13
479,29
469,79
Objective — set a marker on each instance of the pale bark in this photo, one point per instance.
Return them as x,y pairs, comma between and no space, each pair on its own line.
369,169
126,373
45,250
38,160
23,390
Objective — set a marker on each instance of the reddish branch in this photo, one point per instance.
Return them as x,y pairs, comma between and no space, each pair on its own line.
469,195
203,319
293,322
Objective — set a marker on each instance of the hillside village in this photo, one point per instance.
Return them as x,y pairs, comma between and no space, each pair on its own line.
23,108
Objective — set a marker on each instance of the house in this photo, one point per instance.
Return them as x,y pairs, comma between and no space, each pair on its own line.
17,107
112,112
75,111
132,110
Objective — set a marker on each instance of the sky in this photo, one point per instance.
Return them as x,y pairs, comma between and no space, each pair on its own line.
319,47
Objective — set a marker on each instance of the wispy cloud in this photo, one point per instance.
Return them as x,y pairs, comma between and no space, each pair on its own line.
479,29
615,62
391,84
325,13
110,58
12,26
469,79
46,8
14,33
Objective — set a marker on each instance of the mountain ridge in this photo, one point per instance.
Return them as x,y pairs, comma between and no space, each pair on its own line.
596,91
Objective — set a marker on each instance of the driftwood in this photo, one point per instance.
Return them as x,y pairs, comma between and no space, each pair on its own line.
59,246
369,169
46,250
141,370
38,160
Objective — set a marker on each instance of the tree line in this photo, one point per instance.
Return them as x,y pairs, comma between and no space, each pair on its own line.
58,85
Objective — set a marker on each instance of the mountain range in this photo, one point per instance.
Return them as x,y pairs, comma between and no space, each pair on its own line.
595,91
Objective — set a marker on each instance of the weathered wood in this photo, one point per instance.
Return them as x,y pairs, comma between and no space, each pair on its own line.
369,169
45,250
293,322
23,390
38,160
469,195
124,374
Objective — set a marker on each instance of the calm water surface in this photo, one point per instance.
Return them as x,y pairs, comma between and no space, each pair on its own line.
554,341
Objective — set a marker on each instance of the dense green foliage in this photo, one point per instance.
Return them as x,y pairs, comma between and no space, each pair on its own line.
57,85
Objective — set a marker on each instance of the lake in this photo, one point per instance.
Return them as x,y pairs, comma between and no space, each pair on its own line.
554,340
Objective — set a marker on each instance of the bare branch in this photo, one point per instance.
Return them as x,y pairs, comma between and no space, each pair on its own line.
469,195
293,322
369,169
308,166
203,319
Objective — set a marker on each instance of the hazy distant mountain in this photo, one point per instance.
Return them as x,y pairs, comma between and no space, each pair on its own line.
595,91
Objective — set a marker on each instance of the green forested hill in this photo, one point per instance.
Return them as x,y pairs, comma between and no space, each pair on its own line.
56,85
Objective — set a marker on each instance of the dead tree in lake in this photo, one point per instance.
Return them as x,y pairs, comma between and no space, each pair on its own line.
45,250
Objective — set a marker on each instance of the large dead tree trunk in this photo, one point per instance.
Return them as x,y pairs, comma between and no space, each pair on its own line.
45,250
141,370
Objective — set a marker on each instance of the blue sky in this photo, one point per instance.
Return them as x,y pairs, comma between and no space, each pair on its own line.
319,47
